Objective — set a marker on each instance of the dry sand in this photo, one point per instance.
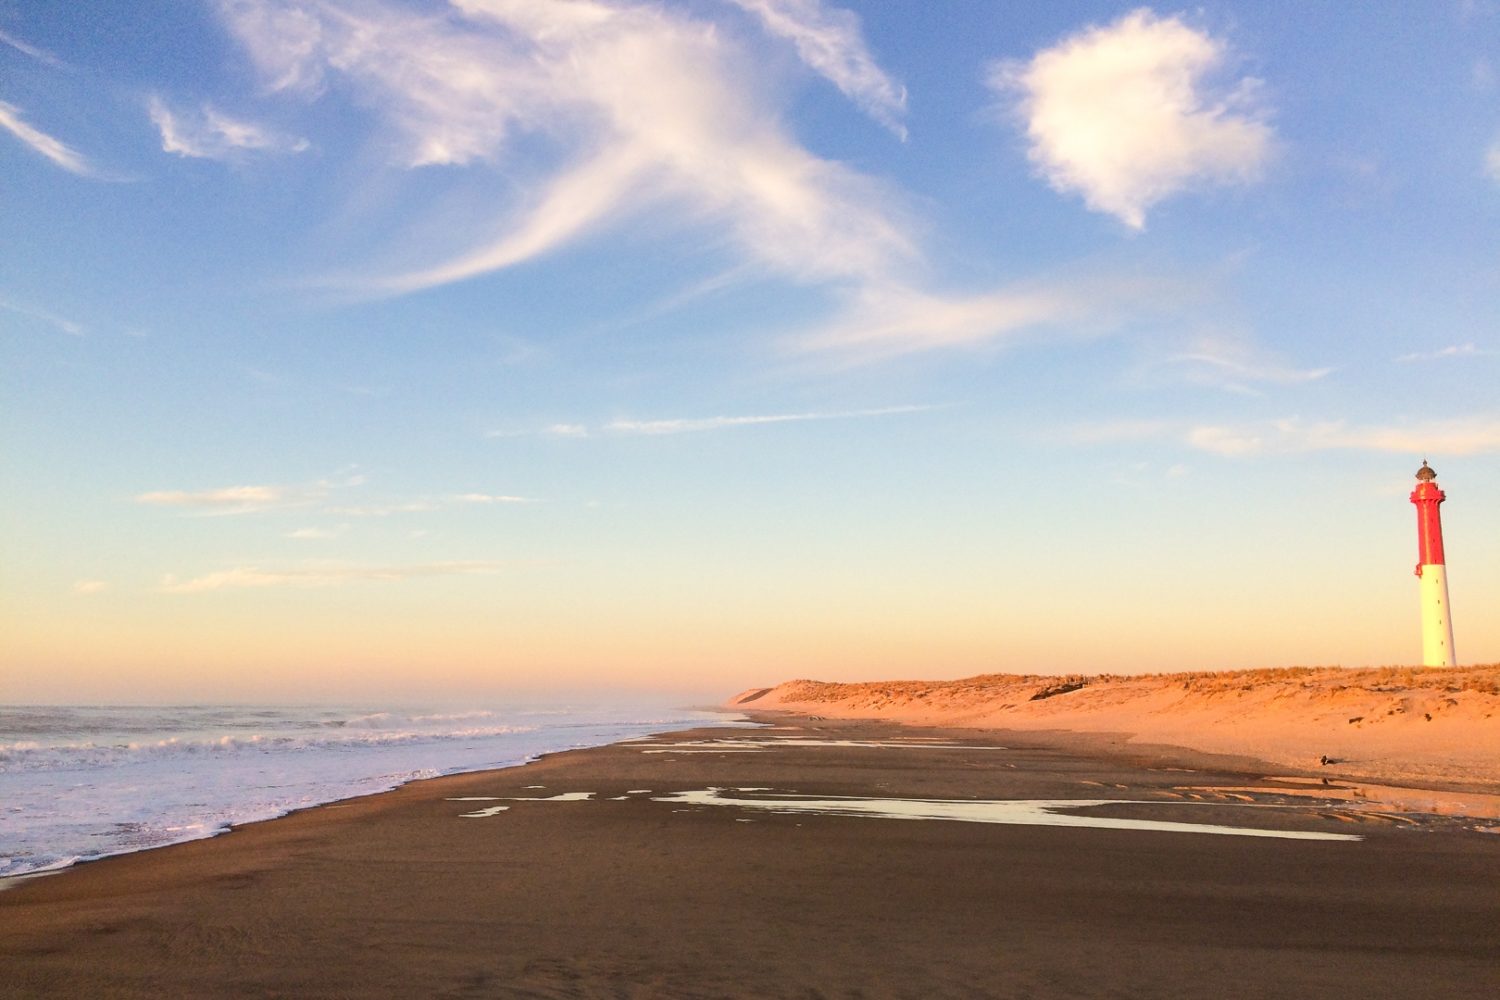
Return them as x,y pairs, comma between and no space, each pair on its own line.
1437,727
587,874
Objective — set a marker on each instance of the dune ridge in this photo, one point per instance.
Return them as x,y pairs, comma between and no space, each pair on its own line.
1431,726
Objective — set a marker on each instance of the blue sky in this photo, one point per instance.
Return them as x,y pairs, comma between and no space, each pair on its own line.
507,344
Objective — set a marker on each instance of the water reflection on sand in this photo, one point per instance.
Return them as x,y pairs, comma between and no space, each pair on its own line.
1017,812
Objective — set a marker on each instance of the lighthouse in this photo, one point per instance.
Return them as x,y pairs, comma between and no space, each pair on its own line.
1437,622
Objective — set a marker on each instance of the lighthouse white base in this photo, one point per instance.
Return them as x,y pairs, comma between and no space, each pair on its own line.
1437,623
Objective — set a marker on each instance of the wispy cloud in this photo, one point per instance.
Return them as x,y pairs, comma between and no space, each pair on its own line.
223,500
52,148
40,55
1459,436
687,425
248,577
210,134
583,114
85,588
318,534
694,424
1473,435
551,430
1469,350
647,107
490,498
427,504
883,321
831,43
253,499
1237,372
1121,114
51,319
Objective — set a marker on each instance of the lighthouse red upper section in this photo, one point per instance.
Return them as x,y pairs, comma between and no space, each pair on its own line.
1427,496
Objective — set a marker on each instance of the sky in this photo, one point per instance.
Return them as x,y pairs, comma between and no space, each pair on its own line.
451,349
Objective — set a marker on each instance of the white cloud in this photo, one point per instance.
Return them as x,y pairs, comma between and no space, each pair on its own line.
40,55
1474,435
879,321
1226,440
882,321
251,499
830,42
243,577
685,425
1460,436
1120,114
489,498
212,135
551,430
84,588
224,500
53,149
645,107
1469,350
65,325
1237,370
1492,161
576,115
688,425
318,534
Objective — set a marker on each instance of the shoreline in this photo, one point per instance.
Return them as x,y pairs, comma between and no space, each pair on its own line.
781,860
147,778
1468,799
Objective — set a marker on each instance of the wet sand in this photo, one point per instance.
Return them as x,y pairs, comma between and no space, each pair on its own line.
610,880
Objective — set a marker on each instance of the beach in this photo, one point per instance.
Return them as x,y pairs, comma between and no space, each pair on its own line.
804,858
1424,727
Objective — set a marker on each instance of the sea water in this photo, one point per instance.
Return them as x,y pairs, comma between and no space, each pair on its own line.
83,782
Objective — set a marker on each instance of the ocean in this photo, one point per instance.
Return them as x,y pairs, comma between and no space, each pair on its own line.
85,782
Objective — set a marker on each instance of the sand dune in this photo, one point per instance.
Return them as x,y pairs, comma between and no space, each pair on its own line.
1437,727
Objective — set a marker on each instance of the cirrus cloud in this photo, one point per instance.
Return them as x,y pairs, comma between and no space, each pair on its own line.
1467,350
573,117
254,577
643,107
830,42
687,425
1457,436
60,153
209,134
224,500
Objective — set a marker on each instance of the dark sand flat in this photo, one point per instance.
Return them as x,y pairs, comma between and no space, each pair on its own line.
398,895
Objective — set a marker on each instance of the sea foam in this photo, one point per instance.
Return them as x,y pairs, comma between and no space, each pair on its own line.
84,782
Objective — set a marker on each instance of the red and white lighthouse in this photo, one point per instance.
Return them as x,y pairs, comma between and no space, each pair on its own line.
1437,622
